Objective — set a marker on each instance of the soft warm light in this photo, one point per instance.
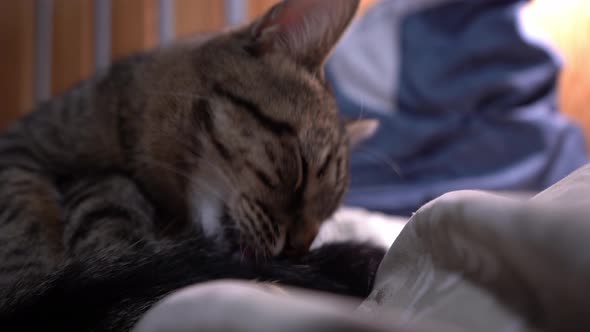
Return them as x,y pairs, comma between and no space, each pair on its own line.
566,23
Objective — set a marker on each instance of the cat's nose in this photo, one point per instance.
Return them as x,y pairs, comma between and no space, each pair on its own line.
298,244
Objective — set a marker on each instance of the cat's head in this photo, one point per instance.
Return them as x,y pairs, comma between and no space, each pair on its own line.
248,121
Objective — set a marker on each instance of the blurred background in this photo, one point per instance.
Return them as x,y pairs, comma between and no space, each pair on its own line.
47,45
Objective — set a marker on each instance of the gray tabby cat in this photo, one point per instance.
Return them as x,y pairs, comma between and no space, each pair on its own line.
230,143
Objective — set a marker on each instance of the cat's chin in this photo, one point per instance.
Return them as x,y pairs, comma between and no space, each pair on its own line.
206,213
210,215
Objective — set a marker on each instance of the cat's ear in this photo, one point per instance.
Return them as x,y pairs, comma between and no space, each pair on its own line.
306,30
360,130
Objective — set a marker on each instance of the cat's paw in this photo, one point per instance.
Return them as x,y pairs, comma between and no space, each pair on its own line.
105,214
349,263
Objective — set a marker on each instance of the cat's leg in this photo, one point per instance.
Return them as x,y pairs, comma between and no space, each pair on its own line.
57,140
106,216
30,224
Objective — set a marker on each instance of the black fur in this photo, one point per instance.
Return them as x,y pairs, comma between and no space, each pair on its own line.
107,295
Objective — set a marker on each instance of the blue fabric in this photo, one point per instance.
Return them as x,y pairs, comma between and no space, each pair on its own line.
475,108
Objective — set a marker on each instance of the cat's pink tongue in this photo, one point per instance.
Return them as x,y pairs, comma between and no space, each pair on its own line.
245,254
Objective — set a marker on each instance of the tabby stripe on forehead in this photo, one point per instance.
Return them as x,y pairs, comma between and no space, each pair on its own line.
275,126
203,117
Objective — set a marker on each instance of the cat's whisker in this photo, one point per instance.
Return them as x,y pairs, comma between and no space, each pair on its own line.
383,158
227,180
187,146
134,244
169,225
362,112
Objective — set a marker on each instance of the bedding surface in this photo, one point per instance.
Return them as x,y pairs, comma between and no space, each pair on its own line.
466,261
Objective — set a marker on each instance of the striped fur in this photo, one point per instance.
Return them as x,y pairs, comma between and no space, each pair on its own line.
231,139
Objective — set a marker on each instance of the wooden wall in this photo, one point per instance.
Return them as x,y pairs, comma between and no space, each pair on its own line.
134,28
16,58
72,36
566,24
198,16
